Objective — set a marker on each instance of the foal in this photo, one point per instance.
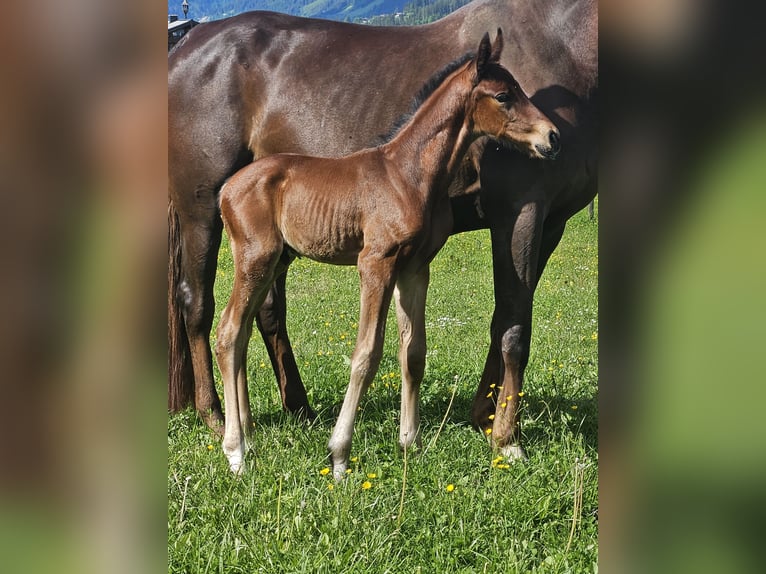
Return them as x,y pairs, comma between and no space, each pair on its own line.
385,210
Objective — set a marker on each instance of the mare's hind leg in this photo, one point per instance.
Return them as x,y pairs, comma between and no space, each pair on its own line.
201,241
410,297
377,285
272,323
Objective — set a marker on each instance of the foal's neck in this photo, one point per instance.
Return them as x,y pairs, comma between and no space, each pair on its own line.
428,149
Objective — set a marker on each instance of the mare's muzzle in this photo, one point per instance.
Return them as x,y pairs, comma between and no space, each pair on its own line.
554,141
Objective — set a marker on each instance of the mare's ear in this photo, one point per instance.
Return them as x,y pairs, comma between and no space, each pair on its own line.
497,47
483,56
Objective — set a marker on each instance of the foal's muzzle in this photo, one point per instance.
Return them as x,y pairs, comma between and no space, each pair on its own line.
554,147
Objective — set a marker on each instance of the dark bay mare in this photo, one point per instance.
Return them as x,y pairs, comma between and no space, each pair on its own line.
262,83
385,209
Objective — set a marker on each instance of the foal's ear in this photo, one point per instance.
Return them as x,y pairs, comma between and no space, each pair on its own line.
483,56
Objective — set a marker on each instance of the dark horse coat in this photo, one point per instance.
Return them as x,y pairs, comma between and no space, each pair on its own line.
262,83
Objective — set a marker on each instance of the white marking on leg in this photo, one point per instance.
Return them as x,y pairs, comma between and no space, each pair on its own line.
513,452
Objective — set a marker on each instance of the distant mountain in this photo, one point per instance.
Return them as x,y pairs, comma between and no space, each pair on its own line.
410,11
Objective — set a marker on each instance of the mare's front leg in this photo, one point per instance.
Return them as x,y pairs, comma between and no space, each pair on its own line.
272,323
410,297
515,253
377,284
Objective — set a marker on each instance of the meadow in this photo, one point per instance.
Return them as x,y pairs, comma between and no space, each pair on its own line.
452,506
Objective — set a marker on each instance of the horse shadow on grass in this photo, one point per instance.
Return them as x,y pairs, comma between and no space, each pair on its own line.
545,417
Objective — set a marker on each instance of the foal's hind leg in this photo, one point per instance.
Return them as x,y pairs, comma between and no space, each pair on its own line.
254,275
410,296
243,394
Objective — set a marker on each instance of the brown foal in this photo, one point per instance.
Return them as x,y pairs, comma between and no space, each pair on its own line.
384,209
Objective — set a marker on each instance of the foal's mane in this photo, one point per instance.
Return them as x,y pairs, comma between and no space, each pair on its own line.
424,93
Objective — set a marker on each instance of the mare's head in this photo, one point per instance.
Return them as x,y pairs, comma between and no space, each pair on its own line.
501,109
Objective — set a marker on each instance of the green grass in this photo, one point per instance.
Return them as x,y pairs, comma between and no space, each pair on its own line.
283,515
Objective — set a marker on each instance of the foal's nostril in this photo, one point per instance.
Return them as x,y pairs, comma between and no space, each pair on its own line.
555,141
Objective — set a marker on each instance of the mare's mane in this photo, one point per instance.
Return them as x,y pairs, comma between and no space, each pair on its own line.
424,93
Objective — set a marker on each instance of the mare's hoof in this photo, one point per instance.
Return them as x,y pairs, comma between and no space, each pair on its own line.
214,421
304,414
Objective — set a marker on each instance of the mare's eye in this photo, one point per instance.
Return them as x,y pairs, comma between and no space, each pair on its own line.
502,97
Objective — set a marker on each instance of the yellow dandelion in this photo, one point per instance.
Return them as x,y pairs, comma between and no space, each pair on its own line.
348,471
371,475
330,486
366,485
574,407
489,394
210,447
521,393
491,417
492,386
508,398
450,488
325,471
488,431
503,466
263,365
354,459
503,405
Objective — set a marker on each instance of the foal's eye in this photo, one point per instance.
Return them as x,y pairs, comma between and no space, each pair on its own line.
502,97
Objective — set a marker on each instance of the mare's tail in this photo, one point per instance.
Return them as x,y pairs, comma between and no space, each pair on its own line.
180,373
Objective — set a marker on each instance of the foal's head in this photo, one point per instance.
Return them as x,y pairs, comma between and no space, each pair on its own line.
502,110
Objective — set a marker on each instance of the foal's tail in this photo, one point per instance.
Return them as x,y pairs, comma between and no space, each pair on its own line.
180,373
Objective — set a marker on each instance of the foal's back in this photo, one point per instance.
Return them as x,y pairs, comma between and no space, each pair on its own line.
318,206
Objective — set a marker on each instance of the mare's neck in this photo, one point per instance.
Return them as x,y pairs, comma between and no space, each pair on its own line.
429,148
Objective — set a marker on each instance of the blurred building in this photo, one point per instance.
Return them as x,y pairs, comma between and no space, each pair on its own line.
177,29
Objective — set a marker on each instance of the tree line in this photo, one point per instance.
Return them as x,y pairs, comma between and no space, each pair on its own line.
401,12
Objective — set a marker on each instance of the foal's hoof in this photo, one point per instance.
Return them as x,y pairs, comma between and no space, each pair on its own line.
339,471
513,452
236,458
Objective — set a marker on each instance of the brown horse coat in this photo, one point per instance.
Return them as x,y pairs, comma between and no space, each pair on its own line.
385,209
263,83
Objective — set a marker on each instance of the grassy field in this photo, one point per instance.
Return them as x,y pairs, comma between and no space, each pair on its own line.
450,508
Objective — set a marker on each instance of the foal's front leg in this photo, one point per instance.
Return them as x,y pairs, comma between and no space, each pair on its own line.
410,296
377,281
